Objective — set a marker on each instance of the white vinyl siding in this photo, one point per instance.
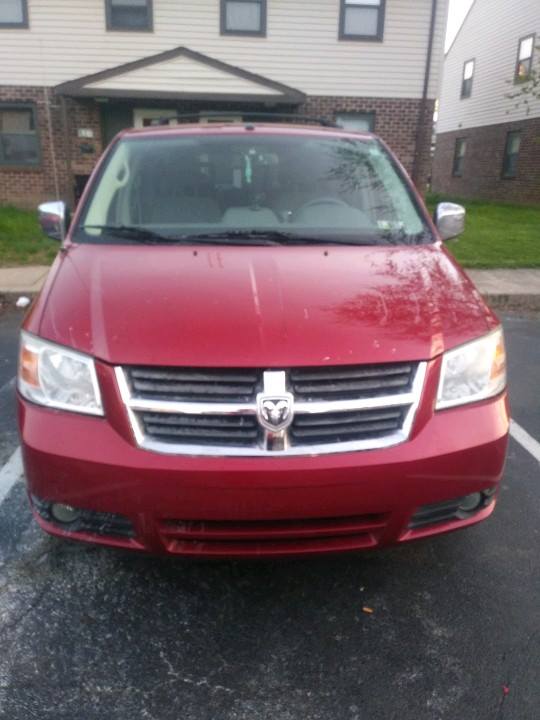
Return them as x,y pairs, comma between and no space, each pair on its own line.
491,35
183,74
69,39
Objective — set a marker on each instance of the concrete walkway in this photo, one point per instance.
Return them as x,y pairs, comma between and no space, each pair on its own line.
507,282
27,279
492,283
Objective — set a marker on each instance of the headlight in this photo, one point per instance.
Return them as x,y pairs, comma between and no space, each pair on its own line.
472,372
57,377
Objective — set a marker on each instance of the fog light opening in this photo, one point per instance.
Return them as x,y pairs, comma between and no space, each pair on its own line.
64,514
470,503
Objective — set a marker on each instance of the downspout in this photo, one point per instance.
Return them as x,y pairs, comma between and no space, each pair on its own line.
423,105
69,192
51,142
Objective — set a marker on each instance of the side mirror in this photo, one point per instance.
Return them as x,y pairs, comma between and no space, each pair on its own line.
54,219
450,220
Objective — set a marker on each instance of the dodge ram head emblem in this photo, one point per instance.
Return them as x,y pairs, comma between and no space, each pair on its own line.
275,412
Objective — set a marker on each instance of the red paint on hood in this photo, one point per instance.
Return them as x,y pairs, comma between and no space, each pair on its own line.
259,306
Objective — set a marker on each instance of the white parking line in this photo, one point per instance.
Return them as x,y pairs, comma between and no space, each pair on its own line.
525,440
8,386
10,473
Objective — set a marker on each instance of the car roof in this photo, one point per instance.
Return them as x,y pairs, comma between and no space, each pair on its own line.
238,128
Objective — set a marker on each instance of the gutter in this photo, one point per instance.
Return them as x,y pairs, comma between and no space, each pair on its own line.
424,102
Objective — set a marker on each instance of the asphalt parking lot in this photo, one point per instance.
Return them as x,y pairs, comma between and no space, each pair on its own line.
92,634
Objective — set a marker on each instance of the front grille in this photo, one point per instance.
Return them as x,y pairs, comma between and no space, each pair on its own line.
345,426
277,537
235,430
341,383
234,412
194,385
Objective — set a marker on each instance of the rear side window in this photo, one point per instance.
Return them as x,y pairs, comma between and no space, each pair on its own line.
321,186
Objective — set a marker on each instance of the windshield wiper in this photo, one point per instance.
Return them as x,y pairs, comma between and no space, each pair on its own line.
142,234
269,237
248,237
130,232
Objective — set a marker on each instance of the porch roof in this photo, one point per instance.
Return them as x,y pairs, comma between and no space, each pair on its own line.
181,74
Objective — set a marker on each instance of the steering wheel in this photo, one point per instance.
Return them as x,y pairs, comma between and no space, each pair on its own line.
321,201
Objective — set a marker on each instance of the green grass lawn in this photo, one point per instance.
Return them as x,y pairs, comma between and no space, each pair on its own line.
497,235
21,240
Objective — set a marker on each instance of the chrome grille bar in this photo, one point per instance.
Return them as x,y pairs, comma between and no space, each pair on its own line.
271,444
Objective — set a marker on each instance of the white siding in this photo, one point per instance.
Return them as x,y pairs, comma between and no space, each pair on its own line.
490,34
67,39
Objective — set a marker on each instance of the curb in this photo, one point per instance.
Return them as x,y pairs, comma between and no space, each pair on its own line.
513,302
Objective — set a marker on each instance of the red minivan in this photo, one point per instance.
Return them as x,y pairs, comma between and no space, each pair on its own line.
254,343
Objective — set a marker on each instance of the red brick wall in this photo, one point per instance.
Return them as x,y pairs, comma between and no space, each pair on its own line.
28,186
396,122
482,168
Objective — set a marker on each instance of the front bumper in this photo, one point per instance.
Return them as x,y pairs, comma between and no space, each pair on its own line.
245,507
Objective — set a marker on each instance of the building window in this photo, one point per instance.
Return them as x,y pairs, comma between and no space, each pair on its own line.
361,121
459,157
525,58
511,154
130,15
467,80
19,144
243,17
361,20
13,14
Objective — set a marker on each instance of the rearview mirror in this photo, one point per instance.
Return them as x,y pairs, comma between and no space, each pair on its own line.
54,219
450,220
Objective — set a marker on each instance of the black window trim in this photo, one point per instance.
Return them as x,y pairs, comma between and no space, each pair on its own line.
342,35
505,175
7,105
463,81
243,33
517,79
455,173
24,24
372,114
112,28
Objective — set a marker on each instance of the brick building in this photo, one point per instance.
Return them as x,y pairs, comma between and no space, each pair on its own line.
488,143
72,75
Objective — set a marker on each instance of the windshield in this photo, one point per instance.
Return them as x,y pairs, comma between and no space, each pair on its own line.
291,187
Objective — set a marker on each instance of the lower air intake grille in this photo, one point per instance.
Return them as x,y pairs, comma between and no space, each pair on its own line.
271,537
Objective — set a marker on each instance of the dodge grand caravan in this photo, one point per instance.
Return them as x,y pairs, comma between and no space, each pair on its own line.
254,343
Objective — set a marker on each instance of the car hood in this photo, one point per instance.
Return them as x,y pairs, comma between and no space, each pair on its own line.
259,306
